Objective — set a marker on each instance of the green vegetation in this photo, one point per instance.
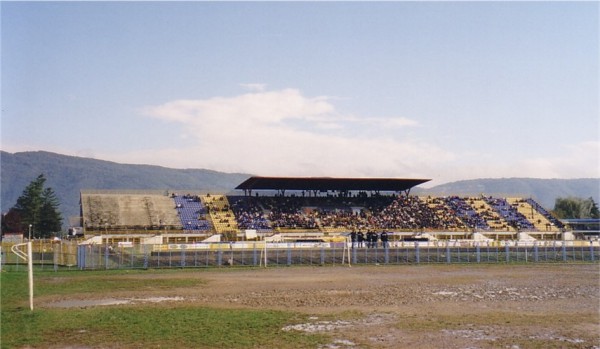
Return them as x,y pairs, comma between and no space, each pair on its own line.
172,325
576,208
35,212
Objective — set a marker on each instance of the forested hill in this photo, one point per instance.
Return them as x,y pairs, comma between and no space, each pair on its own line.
68,175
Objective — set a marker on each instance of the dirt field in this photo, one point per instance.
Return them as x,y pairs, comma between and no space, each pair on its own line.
431,306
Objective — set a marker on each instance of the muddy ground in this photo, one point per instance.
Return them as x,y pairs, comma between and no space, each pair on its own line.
429,306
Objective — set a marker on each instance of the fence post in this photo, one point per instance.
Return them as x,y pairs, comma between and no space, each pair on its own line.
131,256
106,256
146,257
592,251
183,255
386,254
535,252
507,252
417,253
478,252
158,257
81,257
448,259
564,251
322,255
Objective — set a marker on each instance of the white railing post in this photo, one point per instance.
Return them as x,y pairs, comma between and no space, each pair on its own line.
29,258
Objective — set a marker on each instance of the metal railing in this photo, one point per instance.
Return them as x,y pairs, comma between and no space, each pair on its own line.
202,255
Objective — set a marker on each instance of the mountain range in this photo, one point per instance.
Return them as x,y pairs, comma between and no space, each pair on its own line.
68,175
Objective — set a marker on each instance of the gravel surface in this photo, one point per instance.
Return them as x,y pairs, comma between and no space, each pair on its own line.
414,306
439,306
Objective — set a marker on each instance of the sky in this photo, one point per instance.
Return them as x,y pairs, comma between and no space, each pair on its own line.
439,90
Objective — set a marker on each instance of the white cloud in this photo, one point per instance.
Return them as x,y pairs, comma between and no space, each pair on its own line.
579,160
285,133
258,109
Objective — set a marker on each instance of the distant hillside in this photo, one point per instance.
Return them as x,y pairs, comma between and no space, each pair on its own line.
67,175
544,191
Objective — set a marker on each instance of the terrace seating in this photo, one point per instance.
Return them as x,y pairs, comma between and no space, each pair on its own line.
445,215
192,213
405,213
222,217
286,213
325,214
557,223
99,211
339,219
334,215
509,213
492,218
541,219
466,213
249,214
117,211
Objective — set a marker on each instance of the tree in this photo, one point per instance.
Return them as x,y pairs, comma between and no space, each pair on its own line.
38,207
50,217
11,222
576,208
590,209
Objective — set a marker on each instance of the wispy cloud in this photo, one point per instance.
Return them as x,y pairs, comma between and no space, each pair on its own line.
253,87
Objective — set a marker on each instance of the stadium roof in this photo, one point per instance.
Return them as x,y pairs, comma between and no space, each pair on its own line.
328,183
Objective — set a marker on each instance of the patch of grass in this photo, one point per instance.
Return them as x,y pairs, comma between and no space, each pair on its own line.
136,326
100,284
158,327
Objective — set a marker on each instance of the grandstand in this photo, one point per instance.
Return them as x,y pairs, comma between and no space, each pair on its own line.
311,208
105,210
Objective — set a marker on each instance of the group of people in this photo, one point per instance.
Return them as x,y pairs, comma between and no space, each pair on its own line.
370,239
376,213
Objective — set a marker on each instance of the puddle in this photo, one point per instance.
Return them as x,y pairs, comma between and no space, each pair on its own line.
326,326
84,303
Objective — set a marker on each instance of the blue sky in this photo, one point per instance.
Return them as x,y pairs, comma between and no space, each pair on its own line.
440,90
